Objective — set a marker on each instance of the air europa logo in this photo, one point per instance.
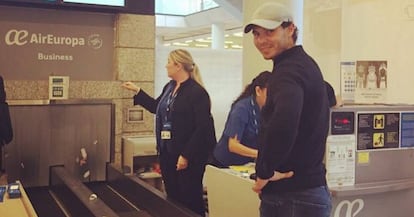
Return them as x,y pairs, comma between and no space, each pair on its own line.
22,37
350,211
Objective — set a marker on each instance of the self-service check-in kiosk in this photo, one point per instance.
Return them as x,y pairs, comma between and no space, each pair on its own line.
370,161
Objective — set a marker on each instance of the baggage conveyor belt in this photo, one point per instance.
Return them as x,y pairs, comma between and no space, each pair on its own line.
119,195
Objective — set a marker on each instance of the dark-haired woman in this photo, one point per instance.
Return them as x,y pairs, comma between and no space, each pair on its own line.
238,143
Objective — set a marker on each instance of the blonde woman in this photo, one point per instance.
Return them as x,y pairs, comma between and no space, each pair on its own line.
184,129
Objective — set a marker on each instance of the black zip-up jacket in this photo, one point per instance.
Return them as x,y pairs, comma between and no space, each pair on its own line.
294,123
193,134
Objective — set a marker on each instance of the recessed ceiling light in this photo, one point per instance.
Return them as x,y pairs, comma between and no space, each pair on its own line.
236,46
238,34
180,44
203,40
201,45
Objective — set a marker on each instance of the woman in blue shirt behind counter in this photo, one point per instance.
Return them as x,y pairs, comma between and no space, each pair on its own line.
238,143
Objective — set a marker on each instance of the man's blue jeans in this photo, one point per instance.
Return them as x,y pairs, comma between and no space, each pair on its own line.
313,202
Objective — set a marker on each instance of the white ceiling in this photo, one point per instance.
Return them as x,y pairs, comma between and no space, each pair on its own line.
182,29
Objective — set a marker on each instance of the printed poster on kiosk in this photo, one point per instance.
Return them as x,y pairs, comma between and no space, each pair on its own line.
371,81
364,81
407,129
378,130
340,160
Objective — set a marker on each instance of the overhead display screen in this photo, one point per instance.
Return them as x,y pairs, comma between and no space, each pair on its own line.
120,3
145,7
109,3
30,1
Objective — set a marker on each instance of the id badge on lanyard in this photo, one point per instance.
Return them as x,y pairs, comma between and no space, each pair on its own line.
166,131
167,126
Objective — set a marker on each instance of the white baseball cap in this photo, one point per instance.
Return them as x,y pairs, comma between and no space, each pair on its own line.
269,16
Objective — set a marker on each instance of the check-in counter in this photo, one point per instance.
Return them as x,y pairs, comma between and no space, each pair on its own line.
382,199
21,206
369,160
229,193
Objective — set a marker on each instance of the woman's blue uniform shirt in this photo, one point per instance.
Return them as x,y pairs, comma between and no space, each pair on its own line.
243,121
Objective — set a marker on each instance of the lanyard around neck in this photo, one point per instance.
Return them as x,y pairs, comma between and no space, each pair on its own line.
169,104
171,100
255,123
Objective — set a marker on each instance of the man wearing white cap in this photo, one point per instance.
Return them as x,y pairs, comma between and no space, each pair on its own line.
294,122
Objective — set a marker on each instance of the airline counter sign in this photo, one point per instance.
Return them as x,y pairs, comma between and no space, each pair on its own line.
35,51
16,37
